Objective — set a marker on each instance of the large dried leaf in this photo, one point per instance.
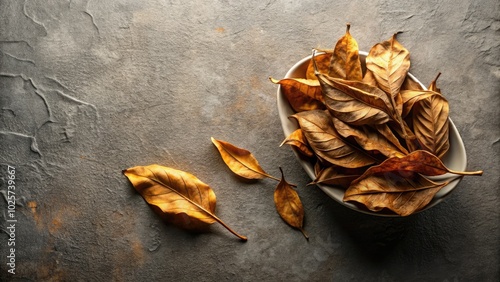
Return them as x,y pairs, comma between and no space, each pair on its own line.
240,161
345,61
288,205
302,94
403,195
389,61
368,138
298,141
180,197
327,144
355,102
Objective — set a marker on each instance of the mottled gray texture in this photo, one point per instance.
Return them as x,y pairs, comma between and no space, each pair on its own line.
88,88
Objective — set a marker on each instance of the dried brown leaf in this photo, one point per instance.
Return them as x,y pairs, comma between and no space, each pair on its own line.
389,61
417,162
367,138
288,205
298,140
355,102
302,94
345,61
327,144
403,195
180,197
322,61
240,161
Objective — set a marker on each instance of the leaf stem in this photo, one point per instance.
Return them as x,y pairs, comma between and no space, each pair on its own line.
304,233
478,173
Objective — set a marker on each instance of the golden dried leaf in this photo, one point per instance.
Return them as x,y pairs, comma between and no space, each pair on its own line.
302,94
297,140
367,138
431,124
180,197
240,161
288,205
403,195
389,61
327,144
345,61
322,62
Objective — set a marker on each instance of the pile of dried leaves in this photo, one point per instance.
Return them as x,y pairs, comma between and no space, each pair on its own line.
375,132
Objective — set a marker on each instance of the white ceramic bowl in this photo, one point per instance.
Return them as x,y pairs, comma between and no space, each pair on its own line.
454,159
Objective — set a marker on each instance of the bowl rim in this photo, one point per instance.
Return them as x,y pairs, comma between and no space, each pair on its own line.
457,161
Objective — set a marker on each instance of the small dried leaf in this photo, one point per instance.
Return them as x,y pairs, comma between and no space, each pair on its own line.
322,61
288,205
180,197
389,61
297,140
240,161
302,94
327,144
403,195
367,138
345,63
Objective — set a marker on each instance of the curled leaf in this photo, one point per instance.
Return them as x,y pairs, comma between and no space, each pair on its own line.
322,62
345,61
327,144
297,140
367,138
302,94
288,205
240,161
355,102
180,197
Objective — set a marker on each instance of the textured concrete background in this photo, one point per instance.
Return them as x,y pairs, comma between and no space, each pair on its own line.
88,88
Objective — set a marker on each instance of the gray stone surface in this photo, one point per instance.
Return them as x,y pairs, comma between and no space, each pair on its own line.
88,88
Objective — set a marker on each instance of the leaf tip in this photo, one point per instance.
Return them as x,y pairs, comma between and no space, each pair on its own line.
304,233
